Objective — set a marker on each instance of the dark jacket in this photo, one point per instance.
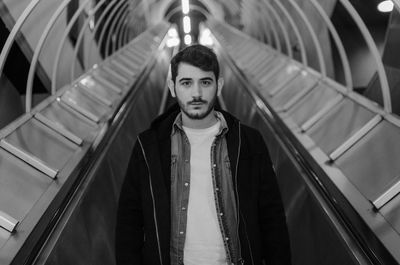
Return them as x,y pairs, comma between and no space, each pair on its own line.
144,223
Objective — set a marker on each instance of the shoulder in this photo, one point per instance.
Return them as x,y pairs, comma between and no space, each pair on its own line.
160,127
163,123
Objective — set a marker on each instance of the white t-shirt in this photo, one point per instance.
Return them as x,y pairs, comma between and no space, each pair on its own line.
203,243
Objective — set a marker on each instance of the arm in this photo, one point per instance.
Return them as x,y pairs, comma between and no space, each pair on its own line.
129,228
275,238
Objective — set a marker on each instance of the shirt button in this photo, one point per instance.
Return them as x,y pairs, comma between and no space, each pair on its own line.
214,165
183,208
226,238
181,232
186,160
221,214
216,189
186,184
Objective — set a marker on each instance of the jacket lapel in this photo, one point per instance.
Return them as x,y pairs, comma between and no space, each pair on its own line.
152,151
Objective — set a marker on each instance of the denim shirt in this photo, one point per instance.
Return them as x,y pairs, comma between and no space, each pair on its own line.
224,192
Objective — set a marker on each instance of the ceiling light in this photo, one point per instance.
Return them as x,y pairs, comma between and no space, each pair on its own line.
386,6
185,7
173,42
172,32
205,37
186,24
188,39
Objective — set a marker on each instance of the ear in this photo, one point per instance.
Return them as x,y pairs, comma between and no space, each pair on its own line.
220,85
171,86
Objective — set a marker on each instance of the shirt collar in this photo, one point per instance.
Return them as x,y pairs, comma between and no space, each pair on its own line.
177,125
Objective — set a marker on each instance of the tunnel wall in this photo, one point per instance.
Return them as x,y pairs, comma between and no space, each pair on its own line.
252,22
32,29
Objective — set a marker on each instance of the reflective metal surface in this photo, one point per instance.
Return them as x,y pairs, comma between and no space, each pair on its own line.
63,137
85,234
85,104
375,173
339,124
324,117
279,81
7,222
30,138
71,121
60,129
107,96
294,90
311,103
29,158
313,236
20,186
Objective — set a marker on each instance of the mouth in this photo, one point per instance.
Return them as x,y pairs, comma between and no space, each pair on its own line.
196,103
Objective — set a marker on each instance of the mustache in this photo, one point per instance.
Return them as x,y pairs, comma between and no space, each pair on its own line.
199,100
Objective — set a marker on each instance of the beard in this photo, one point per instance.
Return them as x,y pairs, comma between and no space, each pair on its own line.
185,107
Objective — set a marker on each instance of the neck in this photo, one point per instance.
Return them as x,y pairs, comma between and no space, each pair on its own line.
206,122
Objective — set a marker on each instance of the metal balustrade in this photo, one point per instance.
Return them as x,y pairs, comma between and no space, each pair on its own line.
43,151
329,120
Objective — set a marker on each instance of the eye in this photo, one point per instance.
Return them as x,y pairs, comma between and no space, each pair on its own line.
206,82
186,83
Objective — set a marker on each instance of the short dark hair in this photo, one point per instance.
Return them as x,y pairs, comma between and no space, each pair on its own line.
197,55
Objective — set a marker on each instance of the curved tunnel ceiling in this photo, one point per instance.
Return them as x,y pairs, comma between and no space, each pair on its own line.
198,13
175,7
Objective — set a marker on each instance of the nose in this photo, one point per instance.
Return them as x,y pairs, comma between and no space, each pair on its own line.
196,91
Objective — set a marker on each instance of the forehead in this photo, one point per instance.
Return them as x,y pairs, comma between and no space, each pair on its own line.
186,70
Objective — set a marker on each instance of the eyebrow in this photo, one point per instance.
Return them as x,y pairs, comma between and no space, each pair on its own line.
190,79
185,79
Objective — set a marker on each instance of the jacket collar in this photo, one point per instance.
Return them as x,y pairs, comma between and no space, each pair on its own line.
163,124
177,125
158,138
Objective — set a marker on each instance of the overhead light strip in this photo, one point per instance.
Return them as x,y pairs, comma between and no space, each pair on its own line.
186,25
188,39
185,7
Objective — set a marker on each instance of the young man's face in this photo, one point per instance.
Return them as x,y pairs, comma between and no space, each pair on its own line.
195,91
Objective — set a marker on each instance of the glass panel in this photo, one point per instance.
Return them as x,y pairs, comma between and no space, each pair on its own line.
37,139
84,129
339,124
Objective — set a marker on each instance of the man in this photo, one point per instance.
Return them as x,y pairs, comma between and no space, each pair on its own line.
200,188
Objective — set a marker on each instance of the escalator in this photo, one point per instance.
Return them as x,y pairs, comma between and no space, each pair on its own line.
332,149
63,163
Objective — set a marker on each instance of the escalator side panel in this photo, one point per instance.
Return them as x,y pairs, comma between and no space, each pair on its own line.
312,103
302,82
322,144
374,173
313,237
335,128
85,234
81,127
62,137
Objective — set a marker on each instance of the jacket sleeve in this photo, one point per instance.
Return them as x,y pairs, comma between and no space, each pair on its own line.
275,238
129,235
